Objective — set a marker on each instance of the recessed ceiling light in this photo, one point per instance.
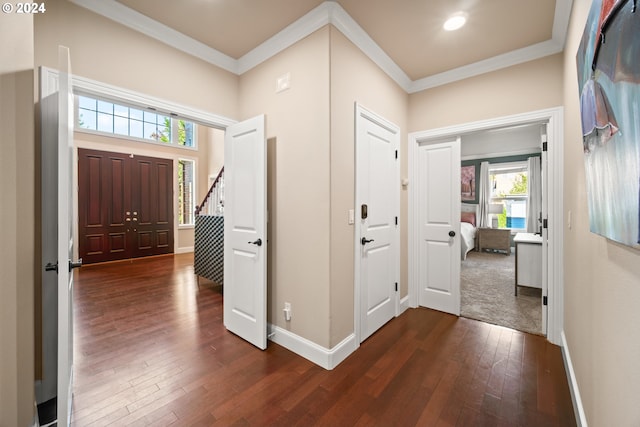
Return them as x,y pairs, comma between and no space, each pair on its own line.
455,22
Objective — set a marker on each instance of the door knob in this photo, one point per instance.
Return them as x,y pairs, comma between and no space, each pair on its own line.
452,233
76,264
257,242
364,241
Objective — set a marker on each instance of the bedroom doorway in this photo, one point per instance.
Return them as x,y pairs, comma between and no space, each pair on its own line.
551,261
509,159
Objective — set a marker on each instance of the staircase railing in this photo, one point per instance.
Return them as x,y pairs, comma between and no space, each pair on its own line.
213,202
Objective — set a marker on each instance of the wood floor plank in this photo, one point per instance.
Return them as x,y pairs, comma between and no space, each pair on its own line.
151,349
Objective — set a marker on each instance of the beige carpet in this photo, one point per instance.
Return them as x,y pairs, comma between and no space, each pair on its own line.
486,286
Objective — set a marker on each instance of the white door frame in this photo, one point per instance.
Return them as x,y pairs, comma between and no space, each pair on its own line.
555,128
362,113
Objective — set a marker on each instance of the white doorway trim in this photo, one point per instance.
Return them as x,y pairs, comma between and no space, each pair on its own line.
555,131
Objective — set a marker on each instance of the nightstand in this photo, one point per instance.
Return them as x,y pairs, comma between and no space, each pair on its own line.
528,260
498,239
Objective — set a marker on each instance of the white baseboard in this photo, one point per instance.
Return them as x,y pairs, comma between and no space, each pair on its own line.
581,417
185,250
404,305
321,356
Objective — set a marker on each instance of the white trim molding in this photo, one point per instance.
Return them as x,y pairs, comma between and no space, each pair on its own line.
553,117
321,356
578,408
329,12
49,85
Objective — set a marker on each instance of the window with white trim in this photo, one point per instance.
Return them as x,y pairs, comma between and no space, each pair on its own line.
509,188
114,119
186,192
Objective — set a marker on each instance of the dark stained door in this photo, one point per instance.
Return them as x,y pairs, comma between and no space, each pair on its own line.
124,206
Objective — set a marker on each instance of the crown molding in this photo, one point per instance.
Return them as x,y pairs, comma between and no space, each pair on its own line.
519,56
309,23
128,17
329,12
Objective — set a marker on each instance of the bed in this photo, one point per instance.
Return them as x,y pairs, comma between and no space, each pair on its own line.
468,217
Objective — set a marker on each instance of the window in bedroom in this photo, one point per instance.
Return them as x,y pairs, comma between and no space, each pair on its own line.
106,117
186,192
509,188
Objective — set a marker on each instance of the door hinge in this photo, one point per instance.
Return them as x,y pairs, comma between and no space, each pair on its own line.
545,223
544,146
544,300
396,154
396,286
396,220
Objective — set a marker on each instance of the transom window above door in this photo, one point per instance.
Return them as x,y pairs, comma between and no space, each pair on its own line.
113,119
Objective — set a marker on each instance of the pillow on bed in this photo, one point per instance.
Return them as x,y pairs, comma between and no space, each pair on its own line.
469,217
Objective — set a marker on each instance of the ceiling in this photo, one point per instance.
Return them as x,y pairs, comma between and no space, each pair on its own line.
405,37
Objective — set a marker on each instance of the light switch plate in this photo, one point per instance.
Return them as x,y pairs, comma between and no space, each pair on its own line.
283,82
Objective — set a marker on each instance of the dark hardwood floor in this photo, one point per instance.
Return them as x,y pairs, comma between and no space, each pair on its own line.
151,349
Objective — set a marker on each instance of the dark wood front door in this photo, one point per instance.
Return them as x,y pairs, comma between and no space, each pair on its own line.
125,207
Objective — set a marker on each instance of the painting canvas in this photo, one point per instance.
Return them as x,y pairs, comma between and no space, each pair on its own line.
609,84
468,182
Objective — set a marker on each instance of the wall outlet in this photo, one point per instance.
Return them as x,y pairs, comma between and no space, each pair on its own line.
287,311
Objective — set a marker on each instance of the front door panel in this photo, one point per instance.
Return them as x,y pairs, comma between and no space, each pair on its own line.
125,207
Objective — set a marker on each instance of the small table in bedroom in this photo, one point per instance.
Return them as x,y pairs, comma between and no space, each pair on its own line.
494,238
528,260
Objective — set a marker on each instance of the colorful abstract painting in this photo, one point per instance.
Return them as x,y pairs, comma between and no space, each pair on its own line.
468,182
608,62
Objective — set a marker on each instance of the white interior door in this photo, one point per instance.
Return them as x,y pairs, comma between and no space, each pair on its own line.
439,226
245,231
545,231
57,240
378,208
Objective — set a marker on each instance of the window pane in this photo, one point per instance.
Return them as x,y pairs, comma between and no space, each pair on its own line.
87,103
121,125
87,119
135,129
120,110
135,114
105,107
186,136
150,131
185,192
164,129
150,117
105,122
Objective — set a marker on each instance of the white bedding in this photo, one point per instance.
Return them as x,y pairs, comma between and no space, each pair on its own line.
468,233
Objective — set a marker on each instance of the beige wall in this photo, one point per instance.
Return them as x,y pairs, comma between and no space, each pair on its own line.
531,86
355,78
108,52
297,122
17,216
602,281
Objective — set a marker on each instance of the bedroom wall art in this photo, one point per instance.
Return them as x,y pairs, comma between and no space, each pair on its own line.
468,182
608,61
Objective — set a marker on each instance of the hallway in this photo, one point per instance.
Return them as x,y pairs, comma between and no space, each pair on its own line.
151,349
